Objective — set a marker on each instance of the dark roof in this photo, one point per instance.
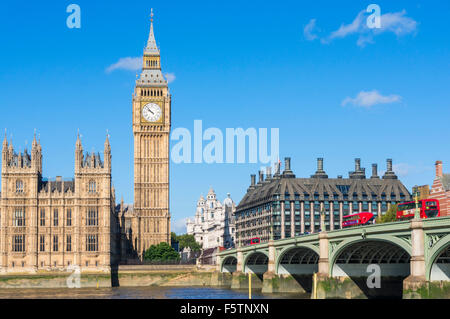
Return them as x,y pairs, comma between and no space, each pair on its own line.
92,160
311,189
21,160
446,182
57,185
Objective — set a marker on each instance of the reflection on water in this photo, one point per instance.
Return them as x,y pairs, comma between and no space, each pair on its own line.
139,293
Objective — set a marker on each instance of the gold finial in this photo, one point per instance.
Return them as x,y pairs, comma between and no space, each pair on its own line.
151,15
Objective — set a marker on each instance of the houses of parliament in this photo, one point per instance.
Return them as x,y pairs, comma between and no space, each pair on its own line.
51,224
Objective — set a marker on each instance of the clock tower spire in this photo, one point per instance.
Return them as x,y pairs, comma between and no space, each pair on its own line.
151,130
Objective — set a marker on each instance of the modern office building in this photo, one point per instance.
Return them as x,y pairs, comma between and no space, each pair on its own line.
290,206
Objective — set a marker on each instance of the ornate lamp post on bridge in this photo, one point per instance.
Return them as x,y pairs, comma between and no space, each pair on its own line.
416,198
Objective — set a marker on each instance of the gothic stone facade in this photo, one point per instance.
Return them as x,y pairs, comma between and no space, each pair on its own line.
213,225
440,189
50,225
285,206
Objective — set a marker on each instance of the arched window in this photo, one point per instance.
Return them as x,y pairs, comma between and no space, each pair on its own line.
19,186
92,187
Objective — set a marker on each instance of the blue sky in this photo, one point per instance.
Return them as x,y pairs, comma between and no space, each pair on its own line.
334,88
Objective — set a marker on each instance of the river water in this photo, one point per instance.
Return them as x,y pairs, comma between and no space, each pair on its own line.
140,293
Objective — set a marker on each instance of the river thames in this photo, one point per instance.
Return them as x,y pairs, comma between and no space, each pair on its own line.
151,292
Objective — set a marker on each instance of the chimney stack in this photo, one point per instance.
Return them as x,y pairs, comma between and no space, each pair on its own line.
287,168
389,164
261,176
320,173
287,163
389,172
374,171
268,173
253,179
320,164
357,164
277,169
439,169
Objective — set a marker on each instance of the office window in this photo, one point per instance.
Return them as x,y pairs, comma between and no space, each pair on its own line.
365,206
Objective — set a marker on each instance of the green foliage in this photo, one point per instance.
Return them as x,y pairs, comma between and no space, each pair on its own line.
188,241
161,252
390,216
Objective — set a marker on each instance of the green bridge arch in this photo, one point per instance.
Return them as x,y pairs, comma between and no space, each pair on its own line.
434,253
340,248
280,253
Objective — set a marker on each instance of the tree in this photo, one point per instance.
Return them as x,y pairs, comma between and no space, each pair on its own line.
390,216
161,252
188,241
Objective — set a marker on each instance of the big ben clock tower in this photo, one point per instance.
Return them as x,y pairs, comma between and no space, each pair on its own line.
151,129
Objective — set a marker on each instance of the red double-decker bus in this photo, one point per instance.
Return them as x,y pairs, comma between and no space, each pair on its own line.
255,241
428,208
358,219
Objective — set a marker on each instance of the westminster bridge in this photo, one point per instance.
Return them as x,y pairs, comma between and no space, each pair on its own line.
412,259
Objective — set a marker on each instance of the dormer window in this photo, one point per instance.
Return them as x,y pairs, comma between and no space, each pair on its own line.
19,186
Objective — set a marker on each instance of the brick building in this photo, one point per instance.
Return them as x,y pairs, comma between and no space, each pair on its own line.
440,189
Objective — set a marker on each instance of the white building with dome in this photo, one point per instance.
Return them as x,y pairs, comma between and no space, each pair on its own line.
213,224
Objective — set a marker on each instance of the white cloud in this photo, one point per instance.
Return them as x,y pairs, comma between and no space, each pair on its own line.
402,169
128,63
309,29
351,28
368,99
179,226
396,22
170,77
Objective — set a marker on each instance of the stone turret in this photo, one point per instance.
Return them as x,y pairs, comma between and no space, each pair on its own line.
107,154
78,154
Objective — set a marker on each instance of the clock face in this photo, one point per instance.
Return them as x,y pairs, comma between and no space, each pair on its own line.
152,112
